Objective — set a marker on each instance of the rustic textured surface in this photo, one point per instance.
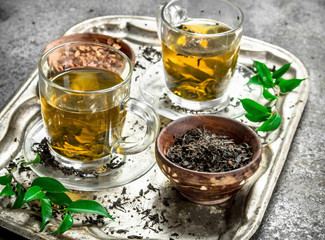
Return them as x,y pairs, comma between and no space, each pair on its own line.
297,209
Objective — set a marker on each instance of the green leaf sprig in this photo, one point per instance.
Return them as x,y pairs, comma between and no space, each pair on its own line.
268,116
50,192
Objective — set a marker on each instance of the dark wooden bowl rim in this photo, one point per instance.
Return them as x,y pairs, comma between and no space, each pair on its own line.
248,129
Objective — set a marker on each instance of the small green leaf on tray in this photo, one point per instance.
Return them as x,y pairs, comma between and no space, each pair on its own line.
272,123
46,211
7,191
268,96
20,197
33,193
256,79
4,180
51,194
265,73
259,113
281,71
65,225
278,80
253,107
49,185
61,199
256,118
35,161
88,206
288,85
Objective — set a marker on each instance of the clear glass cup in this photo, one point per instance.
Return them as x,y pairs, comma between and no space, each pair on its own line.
200,47
85,95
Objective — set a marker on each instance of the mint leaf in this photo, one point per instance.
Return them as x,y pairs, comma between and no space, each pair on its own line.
7,191
281,71
33,193
253,107
4,180
272,123
46,211
20,197
49,185
88,206
268,96
288,85
265,73
60,199
65,224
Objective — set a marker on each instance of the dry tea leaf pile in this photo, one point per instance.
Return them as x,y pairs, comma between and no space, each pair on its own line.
201,150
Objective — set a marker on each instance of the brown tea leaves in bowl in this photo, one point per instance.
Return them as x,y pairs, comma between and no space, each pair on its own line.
203,151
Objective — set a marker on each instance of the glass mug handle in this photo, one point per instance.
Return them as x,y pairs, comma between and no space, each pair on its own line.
145,112
176,12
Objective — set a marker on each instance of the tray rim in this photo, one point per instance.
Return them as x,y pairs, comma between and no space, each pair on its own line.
282,154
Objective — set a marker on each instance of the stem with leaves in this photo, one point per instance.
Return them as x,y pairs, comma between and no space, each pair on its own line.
49,192
268,115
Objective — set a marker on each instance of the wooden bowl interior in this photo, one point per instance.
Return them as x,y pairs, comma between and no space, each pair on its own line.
236,130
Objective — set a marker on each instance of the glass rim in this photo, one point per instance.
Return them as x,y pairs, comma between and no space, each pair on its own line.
201,34
105,90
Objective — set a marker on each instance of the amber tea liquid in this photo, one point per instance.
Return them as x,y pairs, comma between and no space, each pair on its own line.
199,69
82,126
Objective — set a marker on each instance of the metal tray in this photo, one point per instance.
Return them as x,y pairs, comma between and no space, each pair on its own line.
149,207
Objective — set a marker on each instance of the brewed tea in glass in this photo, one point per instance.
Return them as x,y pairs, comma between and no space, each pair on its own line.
200,47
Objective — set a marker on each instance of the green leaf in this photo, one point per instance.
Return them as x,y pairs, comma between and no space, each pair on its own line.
49,185
88,206
281,71
265,73
35,161
278,80
253,107
268,96
20,197
46,211
33,193
288,85
7,191
65,224
60,199
256,79
256,118
4,180
272,123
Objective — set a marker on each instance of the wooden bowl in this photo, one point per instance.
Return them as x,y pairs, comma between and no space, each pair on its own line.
94,37
205,187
